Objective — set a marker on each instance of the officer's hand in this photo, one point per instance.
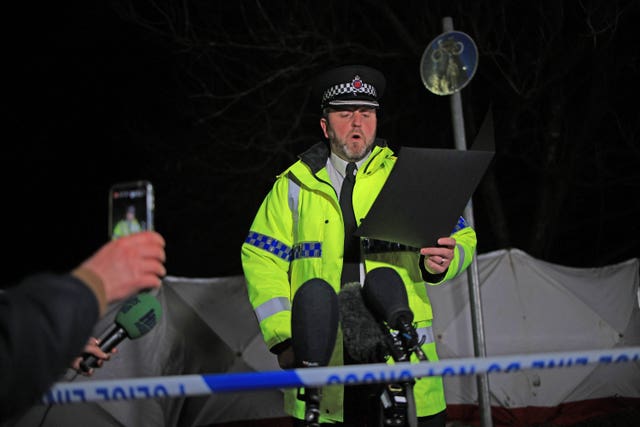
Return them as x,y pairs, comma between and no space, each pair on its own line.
438,259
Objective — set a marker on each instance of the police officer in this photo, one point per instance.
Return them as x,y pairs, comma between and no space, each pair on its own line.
127,225
301,232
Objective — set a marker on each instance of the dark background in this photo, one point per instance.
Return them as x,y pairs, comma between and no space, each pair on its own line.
210,100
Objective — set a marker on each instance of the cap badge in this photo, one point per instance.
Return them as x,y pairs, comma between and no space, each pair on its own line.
356,83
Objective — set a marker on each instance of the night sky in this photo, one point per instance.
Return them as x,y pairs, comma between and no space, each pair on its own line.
92,99
80,81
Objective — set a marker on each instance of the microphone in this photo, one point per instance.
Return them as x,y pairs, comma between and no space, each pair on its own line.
386,296
364,338
314,327
137,316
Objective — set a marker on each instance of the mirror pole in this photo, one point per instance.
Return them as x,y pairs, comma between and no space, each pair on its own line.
482,380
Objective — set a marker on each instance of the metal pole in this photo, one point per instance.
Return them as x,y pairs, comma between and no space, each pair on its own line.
475,304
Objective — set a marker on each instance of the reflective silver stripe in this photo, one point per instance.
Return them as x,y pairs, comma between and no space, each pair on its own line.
427,333
460,258
294,196
271,307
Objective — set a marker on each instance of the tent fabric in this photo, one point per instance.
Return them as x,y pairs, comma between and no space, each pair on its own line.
528,306
532,306
207,326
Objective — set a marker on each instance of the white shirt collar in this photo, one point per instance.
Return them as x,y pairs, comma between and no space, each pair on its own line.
341,164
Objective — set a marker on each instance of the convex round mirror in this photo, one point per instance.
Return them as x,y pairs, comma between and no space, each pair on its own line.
449,63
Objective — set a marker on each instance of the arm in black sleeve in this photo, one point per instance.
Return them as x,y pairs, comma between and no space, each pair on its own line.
45,322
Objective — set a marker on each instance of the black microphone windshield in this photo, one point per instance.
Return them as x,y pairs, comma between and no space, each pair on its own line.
314,323
385,295
364,339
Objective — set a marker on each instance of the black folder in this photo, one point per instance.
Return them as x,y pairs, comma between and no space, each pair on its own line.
424,196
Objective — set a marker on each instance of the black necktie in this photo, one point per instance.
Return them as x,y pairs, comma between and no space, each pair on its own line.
351,268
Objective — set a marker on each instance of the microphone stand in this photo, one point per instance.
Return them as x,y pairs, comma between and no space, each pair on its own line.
409,338
311,398
312,408
397,399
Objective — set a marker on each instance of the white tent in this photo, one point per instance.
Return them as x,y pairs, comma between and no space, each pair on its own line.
529,306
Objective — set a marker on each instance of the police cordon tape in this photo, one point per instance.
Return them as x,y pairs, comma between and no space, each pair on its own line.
202,384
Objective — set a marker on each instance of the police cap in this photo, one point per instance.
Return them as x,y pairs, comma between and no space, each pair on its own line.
349,85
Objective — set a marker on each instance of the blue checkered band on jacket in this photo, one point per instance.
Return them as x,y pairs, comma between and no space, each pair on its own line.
306,250
460,225
342,88
269,244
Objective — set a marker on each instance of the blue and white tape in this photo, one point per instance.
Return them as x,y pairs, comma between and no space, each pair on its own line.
195,385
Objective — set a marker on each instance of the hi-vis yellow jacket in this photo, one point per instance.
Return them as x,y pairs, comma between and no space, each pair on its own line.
298,235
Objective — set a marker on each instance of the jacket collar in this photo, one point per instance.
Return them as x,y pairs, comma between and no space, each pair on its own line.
316,156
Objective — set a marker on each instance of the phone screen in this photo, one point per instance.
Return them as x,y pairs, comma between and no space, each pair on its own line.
131,206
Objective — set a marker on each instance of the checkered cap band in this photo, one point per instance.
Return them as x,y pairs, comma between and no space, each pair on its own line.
349,87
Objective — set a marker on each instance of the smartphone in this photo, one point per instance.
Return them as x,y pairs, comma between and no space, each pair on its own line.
131,208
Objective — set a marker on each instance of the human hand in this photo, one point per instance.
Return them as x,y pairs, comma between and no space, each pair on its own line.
286,359
437,259
92,348
129,264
